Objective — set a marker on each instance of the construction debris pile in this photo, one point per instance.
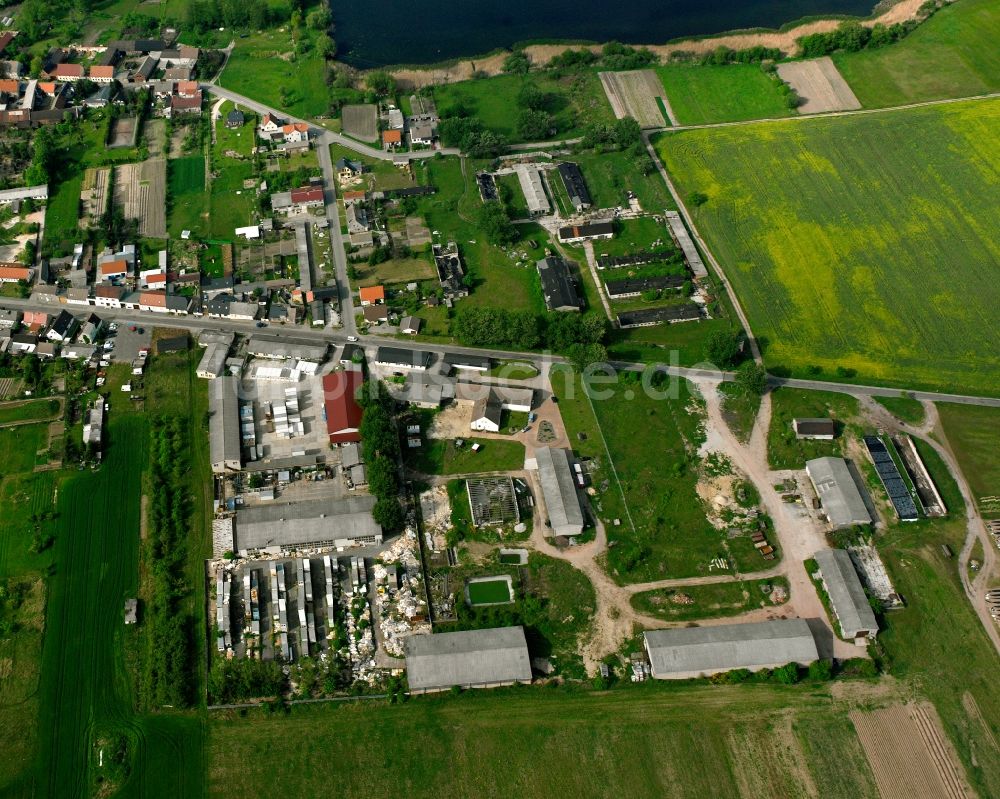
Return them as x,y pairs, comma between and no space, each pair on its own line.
399,594
360,635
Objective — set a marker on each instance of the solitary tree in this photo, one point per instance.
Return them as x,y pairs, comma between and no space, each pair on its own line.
752,379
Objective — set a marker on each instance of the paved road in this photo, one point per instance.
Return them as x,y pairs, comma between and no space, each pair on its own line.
824,114
336,238
541,360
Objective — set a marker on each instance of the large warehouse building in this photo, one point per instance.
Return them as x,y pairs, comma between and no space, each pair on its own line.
340,405
471,659
224,424
687,652
559,491
338,523
847,595
838,491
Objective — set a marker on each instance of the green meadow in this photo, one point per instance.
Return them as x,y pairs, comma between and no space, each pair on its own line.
953,54
853,258
704,94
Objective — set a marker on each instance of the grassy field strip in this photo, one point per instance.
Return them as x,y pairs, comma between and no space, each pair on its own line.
869,221
679,742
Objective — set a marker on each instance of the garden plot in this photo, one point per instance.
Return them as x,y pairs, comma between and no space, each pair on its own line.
908,754
417,233
820,85
122,132
141,191
360,121
637,94
93,195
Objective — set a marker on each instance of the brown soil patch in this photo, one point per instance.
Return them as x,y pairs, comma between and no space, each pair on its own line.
633,94
909,754
820,85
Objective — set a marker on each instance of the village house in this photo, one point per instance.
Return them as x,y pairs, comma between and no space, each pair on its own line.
375,314
235,119
112,271
67,72
108,296
297,201
392,139
295,132
357,219
371,295
269,126
99,74
63,327
348,169
185,105
14,273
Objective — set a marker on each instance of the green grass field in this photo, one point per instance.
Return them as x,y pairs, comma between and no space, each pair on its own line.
707,601
259,68
32,411
453,211
397,270
704,94
576,101
440,456
78,691
19,445
860,257
672,537
186,192
905,409
974,436
953,54
681,742
610,176
784,450
62,212
489,592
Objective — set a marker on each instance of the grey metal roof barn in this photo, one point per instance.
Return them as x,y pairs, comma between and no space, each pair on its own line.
559,491
688,652
847,595
471,658
266,347
838,491
558,286
224,424
321,522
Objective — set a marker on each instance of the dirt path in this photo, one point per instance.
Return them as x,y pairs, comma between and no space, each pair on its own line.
541,54
797,533
615,620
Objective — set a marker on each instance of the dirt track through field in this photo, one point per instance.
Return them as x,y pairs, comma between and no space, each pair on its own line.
908,753
820,85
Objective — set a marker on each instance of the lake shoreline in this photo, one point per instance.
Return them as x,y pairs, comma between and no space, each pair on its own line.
784,39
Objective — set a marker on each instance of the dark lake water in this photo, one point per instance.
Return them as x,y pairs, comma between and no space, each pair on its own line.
380,32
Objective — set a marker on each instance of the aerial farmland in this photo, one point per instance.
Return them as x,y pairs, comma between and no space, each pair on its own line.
855,258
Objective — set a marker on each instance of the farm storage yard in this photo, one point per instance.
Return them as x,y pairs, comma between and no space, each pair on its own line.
861,257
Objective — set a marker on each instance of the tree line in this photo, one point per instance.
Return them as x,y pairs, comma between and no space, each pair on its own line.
580,337
167,675
380,446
